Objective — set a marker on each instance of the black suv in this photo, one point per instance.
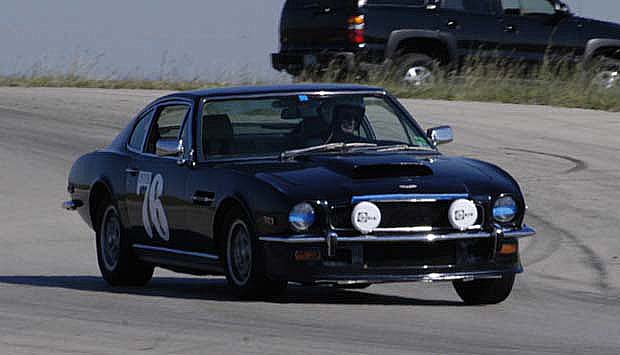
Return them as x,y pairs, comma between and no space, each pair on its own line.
412,36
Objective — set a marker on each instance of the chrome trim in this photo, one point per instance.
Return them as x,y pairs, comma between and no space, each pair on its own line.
419,229
408,198
303,239
175,251
72,205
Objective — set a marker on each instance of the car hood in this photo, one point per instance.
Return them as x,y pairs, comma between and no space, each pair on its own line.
334,177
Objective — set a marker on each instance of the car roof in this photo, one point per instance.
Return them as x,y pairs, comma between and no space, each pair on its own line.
275,89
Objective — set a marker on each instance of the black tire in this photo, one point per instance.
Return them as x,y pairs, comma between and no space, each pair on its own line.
119,266
246,273
400,69
481,292
605,73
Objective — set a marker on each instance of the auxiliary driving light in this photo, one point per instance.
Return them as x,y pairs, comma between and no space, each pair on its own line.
463,214
505,209
302,217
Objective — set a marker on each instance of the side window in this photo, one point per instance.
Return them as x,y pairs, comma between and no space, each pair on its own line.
474,6
511,6
167,125
530,7
139,132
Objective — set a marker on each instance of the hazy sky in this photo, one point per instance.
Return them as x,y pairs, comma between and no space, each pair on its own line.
210,39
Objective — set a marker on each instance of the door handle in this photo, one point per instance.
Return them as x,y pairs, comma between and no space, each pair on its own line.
452,24
510,29
132,171
203,198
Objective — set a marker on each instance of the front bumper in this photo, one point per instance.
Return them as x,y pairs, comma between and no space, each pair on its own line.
403,258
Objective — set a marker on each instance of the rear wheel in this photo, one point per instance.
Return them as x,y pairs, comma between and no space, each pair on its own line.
480,292
606,73
117,263
413,69
244,261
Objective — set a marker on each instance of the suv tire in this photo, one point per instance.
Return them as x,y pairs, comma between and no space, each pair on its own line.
412,69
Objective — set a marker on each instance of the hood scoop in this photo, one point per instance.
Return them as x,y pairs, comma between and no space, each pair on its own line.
390,171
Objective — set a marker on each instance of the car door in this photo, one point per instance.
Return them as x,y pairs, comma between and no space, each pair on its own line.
475,25
534,29
156,181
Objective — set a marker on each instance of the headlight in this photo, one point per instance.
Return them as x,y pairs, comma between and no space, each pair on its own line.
302,217
505,209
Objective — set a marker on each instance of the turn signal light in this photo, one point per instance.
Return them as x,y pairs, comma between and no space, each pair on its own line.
307,255
508,249
357,20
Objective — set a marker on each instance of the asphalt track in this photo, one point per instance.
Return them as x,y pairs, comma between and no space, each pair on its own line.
52,300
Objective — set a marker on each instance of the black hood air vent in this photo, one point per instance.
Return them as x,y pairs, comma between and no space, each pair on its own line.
390,171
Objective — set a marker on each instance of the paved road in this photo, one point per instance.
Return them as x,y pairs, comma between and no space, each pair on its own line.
52,300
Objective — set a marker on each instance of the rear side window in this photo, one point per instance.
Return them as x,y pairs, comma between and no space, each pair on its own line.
473,6
139,132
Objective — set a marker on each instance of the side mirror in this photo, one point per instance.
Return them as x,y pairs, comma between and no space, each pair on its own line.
512,12
440,135
168,147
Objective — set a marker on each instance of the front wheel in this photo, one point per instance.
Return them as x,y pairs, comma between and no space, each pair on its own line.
244,262
481,292
117,262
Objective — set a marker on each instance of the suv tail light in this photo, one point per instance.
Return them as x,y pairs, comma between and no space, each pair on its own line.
356,29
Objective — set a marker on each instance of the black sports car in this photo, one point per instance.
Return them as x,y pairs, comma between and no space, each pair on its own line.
333,184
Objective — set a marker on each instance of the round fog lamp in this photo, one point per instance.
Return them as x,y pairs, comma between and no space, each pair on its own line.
302,217
505,209
463,214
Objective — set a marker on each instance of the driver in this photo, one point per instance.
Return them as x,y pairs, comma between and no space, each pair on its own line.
346,124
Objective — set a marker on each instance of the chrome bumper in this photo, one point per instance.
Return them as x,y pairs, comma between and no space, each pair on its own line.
526,231
332,238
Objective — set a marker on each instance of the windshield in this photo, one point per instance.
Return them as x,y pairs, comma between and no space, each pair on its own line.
276,125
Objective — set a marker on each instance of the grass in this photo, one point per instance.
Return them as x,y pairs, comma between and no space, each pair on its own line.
555,85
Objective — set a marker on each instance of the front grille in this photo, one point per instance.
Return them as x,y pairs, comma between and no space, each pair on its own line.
403,215
438,254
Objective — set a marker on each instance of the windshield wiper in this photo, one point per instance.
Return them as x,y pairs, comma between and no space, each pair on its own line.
393,148
291,154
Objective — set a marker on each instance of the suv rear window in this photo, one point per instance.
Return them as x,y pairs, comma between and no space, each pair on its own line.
474,6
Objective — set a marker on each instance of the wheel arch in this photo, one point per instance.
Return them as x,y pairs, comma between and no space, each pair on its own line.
601,46
226,205
100,190
438,45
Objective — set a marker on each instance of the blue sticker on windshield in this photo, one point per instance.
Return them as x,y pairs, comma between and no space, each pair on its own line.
303,98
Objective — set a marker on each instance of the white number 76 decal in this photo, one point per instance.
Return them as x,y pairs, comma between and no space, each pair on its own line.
153,214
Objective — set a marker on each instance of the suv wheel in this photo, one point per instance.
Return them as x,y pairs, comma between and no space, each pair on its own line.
117,263
480,292
607,74
413,69
244,261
